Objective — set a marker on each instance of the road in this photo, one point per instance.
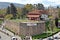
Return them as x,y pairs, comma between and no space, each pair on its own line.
4,36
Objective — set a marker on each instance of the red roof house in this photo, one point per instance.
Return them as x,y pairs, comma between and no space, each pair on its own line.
35,14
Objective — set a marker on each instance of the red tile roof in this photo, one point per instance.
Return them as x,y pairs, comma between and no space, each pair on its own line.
36,13
33,15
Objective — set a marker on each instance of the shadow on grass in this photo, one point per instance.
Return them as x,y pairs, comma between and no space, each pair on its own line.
44,35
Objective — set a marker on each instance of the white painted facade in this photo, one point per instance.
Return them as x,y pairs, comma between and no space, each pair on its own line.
44,17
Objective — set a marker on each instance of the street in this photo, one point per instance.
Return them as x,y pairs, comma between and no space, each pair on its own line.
4,36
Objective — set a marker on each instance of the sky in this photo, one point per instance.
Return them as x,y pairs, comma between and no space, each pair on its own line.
44,2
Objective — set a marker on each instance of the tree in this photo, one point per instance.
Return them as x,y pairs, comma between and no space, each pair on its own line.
29,7
8,10
56,22
57,6
24,12
40,6
19,10
47,25
13,10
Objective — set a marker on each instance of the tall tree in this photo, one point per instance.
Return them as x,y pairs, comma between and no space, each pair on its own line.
13,10
40,6
8,10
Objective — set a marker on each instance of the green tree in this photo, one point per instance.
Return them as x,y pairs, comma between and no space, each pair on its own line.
13,10
19,12
47,25
24,12
8,10
56,22
29,7
40,6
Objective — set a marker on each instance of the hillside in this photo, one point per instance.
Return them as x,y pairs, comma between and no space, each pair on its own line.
6,4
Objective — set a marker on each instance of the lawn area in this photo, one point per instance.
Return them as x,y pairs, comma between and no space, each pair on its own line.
1,21
19,20
47,34
23,20
41,35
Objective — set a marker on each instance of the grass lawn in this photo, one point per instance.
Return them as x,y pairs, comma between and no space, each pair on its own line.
23,20
41,35
44,35
1,21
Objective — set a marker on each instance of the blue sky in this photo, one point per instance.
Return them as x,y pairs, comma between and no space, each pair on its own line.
45,2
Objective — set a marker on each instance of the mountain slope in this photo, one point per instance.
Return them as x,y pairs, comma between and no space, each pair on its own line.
6,4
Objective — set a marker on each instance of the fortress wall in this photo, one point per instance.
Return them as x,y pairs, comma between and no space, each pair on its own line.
26,28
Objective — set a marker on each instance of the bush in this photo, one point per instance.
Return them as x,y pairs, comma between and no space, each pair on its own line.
8,16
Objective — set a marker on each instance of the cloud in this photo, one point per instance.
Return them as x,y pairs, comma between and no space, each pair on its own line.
56,2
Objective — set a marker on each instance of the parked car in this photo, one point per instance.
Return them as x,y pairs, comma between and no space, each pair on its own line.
14,38
50,39
56,37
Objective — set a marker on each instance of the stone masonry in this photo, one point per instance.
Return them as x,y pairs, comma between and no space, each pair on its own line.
26,28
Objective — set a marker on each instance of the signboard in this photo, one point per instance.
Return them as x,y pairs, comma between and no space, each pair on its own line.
31,24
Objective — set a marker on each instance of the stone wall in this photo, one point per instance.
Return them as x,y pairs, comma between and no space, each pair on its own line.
32,30
13,26
26,28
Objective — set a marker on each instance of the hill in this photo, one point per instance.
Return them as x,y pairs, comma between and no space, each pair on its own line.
6,4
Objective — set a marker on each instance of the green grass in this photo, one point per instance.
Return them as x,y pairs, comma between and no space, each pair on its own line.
1,21
44,35
23,20
19,20
41,35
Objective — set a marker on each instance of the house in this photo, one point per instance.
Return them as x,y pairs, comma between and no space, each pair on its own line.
37,15
44,17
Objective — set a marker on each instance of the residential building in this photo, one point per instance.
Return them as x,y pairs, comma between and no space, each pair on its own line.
37,14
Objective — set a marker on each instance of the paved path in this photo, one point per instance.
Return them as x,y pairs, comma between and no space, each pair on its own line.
4,36
10,34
